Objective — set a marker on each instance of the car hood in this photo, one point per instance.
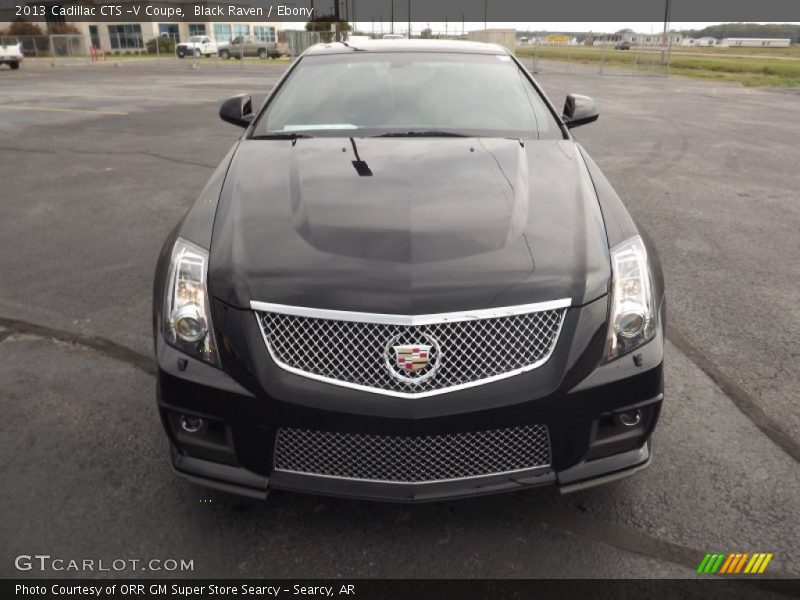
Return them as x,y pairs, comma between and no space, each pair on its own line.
408,225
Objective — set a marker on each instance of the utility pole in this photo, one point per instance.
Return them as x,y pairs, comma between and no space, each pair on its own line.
485,12
336,19
666,27
409,19
391,27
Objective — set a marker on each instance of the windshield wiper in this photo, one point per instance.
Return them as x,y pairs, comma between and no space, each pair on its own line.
422,134
281,136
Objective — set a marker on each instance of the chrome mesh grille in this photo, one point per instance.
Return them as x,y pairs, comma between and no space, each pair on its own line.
412,459
361,354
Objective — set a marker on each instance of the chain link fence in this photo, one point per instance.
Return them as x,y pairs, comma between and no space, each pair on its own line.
127,46
124,45
599,53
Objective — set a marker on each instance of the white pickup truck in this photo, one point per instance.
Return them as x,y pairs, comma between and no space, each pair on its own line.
11,55
197,45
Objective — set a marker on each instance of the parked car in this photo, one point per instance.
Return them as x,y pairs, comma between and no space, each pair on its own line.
197,46
11,55
408,281
393,36
622,46
240,47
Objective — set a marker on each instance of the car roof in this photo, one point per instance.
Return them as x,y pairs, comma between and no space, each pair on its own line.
453,46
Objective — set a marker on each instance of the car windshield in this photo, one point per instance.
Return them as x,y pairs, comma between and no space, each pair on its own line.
407,93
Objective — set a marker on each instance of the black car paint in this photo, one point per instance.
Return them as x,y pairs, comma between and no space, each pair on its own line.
508,223
254,396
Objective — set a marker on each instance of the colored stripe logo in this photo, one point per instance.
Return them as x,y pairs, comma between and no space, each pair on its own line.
736,562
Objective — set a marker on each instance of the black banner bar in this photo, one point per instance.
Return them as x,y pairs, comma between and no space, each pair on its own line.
452,11
416,589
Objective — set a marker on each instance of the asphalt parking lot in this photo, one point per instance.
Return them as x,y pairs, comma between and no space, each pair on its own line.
97,163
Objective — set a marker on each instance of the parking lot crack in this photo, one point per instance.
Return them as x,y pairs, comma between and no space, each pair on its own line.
740,398
100,344
637,542
146,153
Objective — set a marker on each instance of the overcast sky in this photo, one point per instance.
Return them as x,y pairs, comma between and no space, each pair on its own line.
455,27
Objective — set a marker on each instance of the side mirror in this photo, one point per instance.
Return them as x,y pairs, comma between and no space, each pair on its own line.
579,110
237,110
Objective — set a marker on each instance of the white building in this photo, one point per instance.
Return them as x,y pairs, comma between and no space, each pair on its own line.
504,37
756,42
652,39
701,41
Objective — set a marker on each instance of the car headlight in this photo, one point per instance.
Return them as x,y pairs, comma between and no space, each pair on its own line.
187,315
632,320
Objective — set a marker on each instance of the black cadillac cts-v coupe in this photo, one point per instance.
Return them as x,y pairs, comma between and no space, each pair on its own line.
407,281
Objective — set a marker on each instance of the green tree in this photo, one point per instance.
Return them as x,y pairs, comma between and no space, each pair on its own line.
21,27
748,30
62,29
323,26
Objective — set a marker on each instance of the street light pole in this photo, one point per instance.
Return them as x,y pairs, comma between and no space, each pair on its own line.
409,19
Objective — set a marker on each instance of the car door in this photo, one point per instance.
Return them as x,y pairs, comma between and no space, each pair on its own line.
236,47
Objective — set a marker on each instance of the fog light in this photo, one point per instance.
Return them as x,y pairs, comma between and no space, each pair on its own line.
631,418
191,424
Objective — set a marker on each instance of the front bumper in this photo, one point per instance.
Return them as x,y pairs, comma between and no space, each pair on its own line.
237,480
588,445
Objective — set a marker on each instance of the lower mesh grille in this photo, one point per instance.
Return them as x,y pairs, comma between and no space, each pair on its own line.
412,459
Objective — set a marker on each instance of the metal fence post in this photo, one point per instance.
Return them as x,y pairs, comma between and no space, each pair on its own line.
569,58
636,61
669,59
602,54
52,52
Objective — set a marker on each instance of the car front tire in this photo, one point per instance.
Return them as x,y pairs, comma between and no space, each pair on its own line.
14,65
225,54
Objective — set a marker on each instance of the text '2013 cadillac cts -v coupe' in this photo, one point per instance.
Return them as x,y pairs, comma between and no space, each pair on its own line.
406,281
